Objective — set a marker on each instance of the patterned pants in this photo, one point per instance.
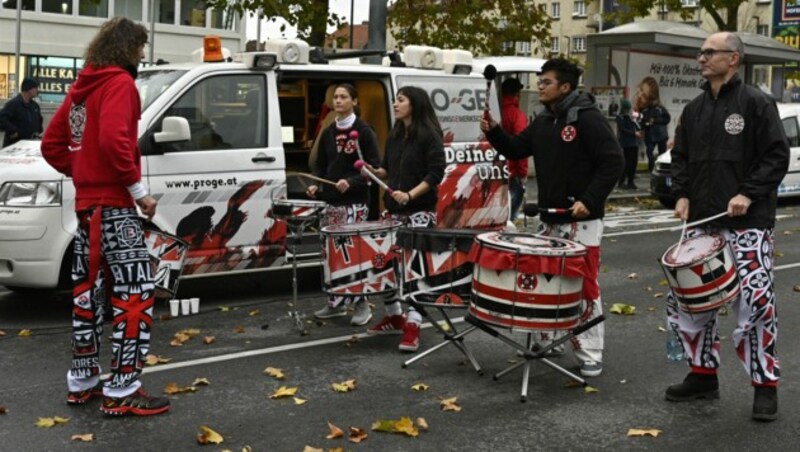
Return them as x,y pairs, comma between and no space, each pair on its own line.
348,214
756,330
588,346
122,260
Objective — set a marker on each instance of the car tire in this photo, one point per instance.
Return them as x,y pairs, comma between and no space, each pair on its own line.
669,203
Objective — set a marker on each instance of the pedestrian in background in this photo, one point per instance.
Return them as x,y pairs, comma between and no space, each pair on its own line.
21,117
730,155
653,119
514,121
626,134
93,139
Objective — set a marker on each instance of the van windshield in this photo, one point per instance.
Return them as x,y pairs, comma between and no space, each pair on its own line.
152,83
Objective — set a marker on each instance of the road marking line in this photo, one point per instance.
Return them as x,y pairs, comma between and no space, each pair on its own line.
267,351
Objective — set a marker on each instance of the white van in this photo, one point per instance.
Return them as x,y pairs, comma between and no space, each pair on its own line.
218,140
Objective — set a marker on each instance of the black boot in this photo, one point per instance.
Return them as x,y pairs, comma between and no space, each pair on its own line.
765,403
694,386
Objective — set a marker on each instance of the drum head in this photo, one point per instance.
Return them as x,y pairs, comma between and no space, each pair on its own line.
693,250
437,240
530,244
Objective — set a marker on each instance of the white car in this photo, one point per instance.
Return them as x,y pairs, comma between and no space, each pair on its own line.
661,177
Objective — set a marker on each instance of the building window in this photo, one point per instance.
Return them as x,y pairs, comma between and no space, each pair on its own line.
555,46
579,44
689,3
132,9
166,11
27,5
580,9
193,13
555,10
762,30
523,48
93,8
57,6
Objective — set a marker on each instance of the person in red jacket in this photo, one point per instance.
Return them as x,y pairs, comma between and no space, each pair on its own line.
514,122
93,139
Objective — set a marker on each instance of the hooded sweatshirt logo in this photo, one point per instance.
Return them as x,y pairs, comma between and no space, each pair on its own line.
77,124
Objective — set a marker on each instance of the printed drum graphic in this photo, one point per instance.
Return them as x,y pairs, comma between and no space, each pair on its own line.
527,282
166,257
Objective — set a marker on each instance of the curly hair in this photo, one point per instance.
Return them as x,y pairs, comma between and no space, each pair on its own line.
116,44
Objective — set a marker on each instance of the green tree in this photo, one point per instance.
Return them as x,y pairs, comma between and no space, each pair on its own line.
482,26
723,12
310,17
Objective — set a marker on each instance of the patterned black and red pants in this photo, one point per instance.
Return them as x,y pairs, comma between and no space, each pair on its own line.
110,261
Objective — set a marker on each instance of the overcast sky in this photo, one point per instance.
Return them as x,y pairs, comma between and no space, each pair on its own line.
271,30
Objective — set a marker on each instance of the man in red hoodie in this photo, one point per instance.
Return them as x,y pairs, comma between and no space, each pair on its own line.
93,139
514,122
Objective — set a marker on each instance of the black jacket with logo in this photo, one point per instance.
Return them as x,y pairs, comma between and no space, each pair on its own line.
336,160
734,144
575,152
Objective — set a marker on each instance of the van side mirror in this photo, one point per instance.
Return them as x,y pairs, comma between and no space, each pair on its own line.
174,129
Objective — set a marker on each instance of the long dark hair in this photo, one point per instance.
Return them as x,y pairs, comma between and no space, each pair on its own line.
423,117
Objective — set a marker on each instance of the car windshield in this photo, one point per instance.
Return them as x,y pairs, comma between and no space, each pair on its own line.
152,83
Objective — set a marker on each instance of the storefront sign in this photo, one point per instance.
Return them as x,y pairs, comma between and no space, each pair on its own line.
54,80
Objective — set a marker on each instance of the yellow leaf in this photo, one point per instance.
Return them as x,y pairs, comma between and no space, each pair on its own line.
422,423
173,388
208,436
444,325
357,435
621,308
383,425
405,425
450,404
152,360
420,387
191,332
663,282
283,391
336,449
345,386
86,437
201,382
254,313
224,308
25,333
336,432
60,420
45,422
275,373
590,390
644,432
312,449
209,340
662,329
299,401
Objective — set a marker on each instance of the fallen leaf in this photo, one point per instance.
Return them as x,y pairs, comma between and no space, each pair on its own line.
283,391
357,435
663,282
796,288
450,404
224,308
299,401
623,381
25,333
422,423
201,382
47,422
312,449
345,386
644,432
662,329
648,289
153,360
778,253
86,437
60,420
336,432
239,329
275,372
444,325
353,341
208,436
651,309
633,276
572,384
2,333
3,409
336,449
383,425
405,425
621,308
165,317
173,388
420,387
209,340
254,313
658,295
787,232
589,390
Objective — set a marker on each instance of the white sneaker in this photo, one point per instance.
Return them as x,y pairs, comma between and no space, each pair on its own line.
362,314
591,369
328,312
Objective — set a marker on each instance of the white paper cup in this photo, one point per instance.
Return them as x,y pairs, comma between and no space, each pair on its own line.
174,307
185,306
195,305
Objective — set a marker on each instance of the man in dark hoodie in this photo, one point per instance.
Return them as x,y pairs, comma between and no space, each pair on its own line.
578,162
21,117
93,139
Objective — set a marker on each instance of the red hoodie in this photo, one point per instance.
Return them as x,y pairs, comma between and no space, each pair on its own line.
514,122
93,137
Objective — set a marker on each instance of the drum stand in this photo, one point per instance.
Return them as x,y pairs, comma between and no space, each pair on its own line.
298,226
451,336
529,354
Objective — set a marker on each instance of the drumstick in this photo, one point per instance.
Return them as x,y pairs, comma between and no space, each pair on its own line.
698,222
359,165
310,176
354,137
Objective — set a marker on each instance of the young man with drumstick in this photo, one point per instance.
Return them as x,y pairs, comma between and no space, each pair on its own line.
93,139
347,140
730,155
414,165
578,162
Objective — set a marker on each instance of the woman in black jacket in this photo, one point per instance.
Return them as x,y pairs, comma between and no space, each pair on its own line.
414,165
339,149
653,119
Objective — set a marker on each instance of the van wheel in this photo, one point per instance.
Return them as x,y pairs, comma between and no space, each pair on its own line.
669,203
65,273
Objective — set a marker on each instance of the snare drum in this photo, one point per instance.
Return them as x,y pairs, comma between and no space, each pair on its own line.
527,282
358,258
436,267
701,272
297,211
166,258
